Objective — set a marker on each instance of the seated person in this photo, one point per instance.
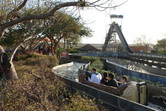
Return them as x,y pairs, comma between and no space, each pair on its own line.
104,78
123,81
111,80
95,76
88,74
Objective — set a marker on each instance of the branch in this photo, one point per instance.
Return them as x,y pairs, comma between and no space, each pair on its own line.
11,13
57,41
21,6
33,97
20,42
30,17
103,8
18,8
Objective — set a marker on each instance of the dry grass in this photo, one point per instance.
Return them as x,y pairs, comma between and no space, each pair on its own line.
39,89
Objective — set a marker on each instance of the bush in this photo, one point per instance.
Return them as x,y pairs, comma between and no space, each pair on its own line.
23,57
81,103
161,52
90,59
73,51
98,64
38,89
38,59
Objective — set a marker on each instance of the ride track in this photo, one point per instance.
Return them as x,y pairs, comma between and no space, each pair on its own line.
109,101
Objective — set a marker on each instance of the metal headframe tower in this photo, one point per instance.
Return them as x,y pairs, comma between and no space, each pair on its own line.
113,30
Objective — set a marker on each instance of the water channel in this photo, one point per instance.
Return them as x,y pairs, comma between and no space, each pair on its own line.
70,71
137,67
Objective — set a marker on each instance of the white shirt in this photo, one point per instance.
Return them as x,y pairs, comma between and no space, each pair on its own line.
96,78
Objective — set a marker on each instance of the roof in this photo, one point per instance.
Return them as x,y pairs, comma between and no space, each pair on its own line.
88,47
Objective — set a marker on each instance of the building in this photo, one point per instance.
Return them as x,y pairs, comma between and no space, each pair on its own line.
139,48
88,48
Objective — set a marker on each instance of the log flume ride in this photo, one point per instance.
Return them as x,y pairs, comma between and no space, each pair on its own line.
132,91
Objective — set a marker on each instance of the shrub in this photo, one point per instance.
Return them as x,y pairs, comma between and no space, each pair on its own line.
98,64
38,89
41,60
81,103
73,51
90,59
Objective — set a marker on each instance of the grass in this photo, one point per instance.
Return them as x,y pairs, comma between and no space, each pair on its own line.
39,89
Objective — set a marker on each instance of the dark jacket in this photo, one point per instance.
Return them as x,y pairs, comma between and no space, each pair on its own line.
104,81
112,83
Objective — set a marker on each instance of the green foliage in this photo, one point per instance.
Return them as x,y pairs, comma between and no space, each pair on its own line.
73,50
95,63
161,52
160,47
66,27
20,32
98,65
39,60
53,61
26,56
90,59
85,31
161,43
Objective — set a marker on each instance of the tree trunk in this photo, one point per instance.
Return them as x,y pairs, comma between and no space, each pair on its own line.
52,50
9,72
64,43
14,51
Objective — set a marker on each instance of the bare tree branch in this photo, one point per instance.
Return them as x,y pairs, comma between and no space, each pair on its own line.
103,8
13,12
19,7
42,16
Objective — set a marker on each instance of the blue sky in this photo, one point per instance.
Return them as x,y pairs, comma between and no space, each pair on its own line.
141,17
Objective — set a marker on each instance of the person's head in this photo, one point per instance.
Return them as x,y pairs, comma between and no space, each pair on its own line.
110,76
93,70
123,79
104,74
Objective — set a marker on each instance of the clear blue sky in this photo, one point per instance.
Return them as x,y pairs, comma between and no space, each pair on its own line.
141,17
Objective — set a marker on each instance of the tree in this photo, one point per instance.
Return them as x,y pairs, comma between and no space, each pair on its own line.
83,32
161,44
143,41
67,28
160,47
8,19
10,15
15,19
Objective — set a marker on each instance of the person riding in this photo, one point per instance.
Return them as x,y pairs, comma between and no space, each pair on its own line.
104,79
95,76
111,80
123,81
